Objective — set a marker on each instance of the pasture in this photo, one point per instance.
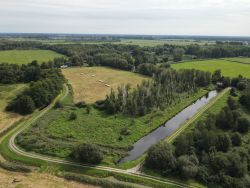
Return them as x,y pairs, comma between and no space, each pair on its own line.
228,68
94,83
7,93
27,56
245,60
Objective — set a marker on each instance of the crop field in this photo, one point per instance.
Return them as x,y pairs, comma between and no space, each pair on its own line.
8,92
94,83
27,56
228,68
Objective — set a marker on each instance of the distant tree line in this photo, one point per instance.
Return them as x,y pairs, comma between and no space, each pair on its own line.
218,51
45,85
212,153
166,88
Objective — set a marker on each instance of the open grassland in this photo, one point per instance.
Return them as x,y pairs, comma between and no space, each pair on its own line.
27,56
245,60
228,68
94,83
57,135
7,93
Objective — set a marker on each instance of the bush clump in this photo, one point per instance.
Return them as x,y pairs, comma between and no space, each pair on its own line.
88,153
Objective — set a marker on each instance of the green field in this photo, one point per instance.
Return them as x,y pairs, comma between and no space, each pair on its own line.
56,135
245,60
228,68
27,56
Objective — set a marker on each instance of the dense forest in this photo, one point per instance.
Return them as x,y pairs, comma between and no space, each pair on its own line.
45,85
216,152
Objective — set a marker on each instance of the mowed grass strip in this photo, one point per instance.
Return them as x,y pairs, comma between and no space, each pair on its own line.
94,83
27,56
7,93
228,68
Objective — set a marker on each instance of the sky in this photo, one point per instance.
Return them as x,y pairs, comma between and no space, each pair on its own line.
157,17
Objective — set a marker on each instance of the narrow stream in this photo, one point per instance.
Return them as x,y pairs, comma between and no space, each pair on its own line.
142,145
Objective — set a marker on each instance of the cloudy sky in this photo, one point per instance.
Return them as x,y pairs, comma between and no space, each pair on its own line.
173,17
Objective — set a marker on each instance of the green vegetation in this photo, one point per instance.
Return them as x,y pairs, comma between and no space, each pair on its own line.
56,135
231,69
245,60
209,152
8,93
27,56
46,85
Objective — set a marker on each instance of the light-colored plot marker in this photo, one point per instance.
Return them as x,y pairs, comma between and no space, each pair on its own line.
101,81
107,85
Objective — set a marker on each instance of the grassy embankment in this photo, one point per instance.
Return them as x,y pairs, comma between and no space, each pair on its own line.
228,68
27,56
60,135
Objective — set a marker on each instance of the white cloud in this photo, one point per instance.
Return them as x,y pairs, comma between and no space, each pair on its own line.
194,17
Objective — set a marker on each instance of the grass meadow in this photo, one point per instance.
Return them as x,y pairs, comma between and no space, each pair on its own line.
245,60
228,68
94,83
27,56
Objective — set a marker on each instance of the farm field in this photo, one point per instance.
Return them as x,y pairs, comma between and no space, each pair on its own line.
228,68
7,93
94,83
27,56
239,59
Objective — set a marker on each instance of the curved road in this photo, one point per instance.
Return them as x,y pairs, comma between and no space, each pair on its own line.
131,172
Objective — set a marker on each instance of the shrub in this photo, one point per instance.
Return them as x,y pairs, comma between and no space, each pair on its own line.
58,105
236,139
73,116
23,104
241,86
232,103
125,132
81,104
160,156
88,153
88,109
243,125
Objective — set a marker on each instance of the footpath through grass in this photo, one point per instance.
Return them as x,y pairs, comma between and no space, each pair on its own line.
27,56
